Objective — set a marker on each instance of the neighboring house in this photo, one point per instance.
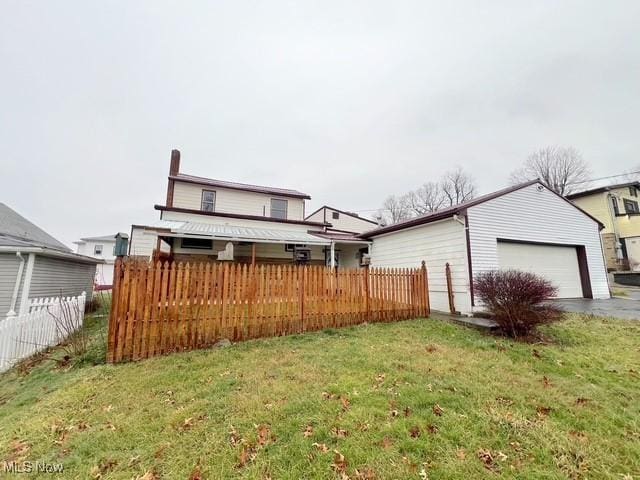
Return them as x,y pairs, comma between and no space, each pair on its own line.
204,218
34,264
616,206
102,248
526,227
341,221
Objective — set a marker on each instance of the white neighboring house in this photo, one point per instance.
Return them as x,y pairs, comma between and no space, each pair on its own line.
526,227
101,248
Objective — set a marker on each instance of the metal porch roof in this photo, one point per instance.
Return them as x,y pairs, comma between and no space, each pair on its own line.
234,232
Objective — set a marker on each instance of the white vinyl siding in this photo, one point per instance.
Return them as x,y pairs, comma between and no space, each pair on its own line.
344,222
239,222
189,196
437,243
534,214
559,265
142,242
9,266
55,276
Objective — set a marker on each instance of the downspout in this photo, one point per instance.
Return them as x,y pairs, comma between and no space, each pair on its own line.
465,224
16,287
614,226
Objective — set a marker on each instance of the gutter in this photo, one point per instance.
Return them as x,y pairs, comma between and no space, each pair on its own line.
52,253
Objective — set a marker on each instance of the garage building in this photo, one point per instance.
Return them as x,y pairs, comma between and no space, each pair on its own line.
525,227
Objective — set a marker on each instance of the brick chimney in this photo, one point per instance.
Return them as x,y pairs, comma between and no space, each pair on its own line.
174,169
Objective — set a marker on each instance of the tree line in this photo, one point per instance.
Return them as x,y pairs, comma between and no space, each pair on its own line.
561,168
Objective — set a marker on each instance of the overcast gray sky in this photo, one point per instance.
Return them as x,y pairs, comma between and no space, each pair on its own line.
348,101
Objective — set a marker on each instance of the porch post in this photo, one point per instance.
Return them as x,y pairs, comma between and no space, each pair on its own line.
253,254
333,254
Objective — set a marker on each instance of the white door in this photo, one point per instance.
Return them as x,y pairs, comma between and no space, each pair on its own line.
557,264
633,252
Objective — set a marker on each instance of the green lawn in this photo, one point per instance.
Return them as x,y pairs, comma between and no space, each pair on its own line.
416,399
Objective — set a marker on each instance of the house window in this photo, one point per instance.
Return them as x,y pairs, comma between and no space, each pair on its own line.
278,208
633,192
614,202
291,247
335,215
630,206
198,243
208,201
97,250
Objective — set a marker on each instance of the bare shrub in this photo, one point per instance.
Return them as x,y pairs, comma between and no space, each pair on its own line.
68,320
516,300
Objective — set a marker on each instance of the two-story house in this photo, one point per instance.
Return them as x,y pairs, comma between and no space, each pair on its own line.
103,249
617,207
204,218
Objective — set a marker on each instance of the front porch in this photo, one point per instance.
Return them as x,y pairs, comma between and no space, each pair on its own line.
190,241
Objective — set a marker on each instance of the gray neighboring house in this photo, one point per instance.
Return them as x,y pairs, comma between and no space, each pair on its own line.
34,264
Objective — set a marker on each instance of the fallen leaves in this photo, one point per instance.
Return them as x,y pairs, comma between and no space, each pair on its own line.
433,429
321,447
386,443
247,455
582,401
461,453
308,431
340,433
345,403
150,475
546,383
414,431
19,450
543,411
339,464
489,459
264,435
438,410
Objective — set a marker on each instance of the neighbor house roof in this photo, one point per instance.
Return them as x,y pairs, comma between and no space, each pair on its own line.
602,188
104,238
283,192
17,234
17,229
460,208
351,214
338,236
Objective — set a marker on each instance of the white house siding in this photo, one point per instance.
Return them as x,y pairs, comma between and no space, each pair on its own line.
534,215
9,266
142,242
189,195
437,243
55,276
347,223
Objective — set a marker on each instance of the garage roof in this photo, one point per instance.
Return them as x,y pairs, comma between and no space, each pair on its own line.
460,208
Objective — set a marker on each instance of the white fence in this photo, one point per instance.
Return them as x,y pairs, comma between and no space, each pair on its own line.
47,324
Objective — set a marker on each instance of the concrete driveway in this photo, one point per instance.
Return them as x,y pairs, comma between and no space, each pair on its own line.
617,307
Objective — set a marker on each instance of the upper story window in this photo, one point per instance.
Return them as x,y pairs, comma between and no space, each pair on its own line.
279,208
208,201
97,249
616,208
335,215
630,206
633,192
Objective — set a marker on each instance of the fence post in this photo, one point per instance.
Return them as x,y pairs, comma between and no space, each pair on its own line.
366,293
301,272
425,275
452,307
113,314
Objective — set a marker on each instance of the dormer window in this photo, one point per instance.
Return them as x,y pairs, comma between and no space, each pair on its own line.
97,250
208,201
633,192
279,208
335,215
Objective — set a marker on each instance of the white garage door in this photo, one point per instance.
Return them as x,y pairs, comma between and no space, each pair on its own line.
557,264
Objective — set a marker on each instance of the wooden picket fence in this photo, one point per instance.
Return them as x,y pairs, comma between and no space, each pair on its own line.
158,308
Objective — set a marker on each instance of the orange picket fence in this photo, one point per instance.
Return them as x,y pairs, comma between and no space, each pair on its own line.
158,308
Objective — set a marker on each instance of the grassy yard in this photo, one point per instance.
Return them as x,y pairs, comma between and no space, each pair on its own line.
416,399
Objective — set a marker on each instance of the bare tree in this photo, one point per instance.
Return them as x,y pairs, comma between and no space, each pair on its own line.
457,186
426,199
561,168
394,209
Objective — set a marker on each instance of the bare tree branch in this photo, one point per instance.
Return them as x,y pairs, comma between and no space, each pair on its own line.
426,199
457,187
561,168
394,209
